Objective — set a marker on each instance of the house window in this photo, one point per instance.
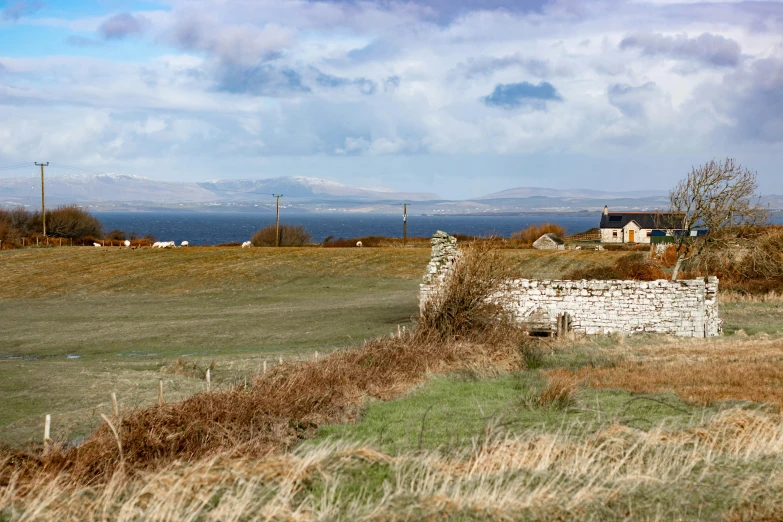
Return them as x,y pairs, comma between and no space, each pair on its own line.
614,233
647,234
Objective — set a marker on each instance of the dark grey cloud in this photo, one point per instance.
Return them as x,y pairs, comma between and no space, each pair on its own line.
487,65
15,10
715,50
391,83
753,99
447,10
122,25
245,44
364,85
262,80
631,100
513,95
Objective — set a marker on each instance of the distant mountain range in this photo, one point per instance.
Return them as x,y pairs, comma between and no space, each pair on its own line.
125,192
122,188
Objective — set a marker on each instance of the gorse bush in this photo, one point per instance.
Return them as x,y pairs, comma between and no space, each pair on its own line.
290,235
533,232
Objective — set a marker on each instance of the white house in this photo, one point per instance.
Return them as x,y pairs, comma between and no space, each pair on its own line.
632,227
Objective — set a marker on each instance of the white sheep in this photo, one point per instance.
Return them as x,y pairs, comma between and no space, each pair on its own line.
127,243
247,244
96,245
184,243
359,244
156,244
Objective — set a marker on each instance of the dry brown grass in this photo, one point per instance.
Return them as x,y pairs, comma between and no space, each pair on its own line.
636,267
59,271
614,473
279,409
699,372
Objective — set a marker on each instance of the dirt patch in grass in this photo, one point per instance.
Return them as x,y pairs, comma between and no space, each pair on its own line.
702,373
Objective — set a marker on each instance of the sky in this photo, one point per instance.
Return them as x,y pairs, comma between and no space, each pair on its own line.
456,97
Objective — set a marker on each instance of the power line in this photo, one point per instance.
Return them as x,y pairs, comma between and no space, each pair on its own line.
71,167
19,166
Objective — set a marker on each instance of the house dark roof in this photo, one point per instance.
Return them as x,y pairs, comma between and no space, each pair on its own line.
649,220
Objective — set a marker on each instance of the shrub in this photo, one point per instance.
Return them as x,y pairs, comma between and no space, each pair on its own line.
464,308
290,235
116,235
533,232
71,221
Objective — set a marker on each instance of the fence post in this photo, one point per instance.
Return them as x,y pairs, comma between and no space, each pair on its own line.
46,440
160,392
265,367
209,381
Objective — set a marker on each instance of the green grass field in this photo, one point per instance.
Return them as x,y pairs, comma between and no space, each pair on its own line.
79,323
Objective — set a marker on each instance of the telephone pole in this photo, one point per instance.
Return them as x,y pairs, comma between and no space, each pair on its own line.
277,219
404,223
43,206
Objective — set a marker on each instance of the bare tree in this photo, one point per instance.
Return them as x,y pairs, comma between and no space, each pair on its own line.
718,198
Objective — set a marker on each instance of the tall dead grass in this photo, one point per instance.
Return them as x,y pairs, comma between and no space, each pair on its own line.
700,373
721,467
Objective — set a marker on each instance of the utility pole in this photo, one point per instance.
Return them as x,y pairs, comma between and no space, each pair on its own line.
404,223
43,206
277,219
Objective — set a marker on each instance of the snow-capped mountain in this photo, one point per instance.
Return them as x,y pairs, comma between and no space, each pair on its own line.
123,188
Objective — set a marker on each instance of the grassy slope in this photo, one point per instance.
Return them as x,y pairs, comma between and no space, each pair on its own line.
333,292
127,313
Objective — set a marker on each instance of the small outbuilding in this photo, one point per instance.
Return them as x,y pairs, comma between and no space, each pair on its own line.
549,242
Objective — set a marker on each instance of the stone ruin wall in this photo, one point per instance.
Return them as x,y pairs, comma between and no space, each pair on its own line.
683,308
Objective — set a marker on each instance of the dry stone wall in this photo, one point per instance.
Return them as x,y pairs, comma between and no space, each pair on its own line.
683,308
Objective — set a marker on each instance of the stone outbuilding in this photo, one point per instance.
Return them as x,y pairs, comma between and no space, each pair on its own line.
549,242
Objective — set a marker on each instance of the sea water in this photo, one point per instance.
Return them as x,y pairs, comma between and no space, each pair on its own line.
211,228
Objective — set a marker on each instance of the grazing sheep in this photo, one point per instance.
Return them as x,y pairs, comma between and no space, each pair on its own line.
247,244
184,243
96,245
127,243
156,244
359,244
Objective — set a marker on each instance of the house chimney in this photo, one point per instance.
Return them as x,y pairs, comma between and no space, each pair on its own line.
606,210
